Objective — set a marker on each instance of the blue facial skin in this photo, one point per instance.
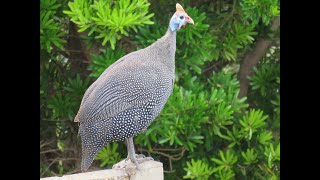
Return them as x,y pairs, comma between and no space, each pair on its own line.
176,22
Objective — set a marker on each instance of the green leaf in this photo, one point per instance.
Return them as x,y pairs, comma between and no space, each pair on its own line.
163,140
217,161
107,20
197,137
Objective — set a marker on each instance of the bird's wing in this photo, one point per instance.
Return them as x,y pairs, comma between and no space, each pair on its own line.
85,97
122,88
105,73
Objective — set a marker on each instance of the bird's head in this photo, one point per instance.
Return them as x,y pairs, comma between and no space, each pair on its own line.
179,19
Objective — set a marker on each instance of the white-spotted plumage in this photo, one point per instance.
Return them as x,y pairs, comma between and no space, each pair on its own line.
127,96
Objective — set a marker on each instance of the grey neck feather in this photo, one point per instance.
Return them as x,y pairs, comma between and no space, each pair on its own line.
166,48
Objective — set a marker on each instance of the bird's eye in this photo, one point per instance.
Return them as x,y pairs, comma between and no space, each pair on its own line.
181,17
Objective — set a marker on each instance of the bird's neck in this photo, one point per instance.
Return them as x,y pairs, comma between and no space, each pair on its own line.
168,42
165,49
170,34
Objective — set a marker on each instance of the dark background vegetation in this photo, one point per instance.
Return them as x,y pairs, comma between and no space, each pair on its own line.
222,120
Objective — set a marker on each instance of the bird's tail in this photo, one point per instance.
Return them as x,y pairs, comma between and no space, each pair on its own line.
76,118
90,147
88,156
86,161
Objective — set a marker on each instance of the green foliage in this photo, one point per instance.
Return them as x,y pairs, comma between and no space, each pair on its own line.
225,88
193,84
50,29
225,174
60,97
260,9
60,106
252,121
195,54
198,170
62,102
264,137
272,155
75,87
225,165
191,34
108,155
149,34
238,37
224,80
265,77
249,156
276,111
226,161
107,19
224,103
246,134
265,84
100,63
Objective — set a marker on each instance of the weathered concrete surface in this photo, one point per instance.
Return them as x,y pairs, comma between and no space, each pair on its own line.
149,170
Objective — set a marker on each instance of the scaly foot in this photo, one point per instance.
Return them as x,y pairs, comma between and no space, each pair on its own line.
137,159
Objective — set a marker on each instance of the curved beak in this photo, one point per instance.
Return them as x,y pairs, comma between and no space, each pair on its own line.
190,20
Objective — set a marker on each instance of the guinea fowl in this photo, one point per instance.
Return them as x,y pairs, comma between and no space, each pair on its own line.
129,94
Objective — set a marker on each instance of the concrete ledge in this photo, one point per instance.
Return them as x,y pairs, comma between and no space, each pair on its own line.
149,170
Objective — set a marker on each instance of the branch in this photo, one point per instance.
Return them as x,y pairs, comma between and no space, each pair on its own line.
167,149
55,150
78,52
252,59
43,144
175,157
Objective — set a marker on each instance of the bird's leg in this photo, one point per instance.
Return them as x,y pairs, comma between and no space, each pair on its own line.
129,149
135,158
131,152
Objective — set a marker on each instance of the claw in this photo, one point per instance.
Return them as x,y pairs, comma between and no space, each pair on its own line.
137,159
138,156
